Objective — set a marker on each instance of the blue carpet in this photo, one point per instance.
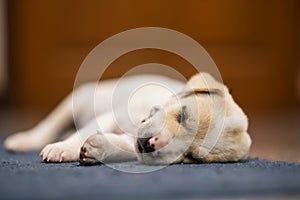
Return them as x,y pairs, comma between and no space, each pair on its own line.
25,176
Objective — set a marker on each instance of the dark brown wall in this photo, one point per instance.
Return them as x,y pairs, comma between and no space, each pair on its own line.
253,42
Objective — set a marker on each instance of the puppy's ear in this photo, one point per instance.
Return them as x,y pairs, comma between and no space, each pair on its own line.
199,91
204,82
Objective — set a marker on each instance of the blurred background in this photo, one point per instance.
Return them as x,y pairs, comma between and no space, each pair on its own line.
255,44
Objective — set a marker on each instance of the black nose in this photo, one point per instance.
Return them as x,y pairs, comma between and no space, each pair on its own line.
144,145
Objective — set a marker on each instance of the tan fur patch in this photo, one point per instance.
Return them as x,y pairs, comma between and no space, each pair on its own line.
228,109
172,125
234,142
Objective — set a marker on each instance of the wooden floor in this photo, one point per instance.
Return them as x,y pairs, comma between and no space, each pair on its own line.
275,134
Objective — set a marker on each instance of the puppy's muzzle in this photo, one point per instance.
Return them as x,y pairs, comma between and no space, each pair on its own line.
144,145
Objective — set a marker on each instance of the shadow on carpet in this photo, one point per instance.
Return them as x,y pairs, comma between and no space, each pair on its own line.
25,176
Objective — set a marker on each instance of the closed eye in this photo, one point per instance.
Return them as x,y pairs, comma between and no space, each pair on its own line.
178,117
181,116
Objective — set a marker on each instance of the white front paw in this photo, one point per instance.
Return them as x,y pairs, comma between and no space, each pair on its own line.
60,152
93,150
106,148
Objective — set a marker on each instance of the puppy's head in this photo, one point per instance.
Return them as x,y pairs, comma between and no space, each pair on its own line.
200,124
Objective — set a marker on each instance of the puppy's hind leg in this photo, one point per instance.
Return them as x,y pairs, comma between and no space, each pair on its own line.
48,129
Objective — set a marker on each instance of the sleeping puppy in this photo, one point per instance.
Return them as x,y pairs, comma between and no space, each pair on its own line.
200,123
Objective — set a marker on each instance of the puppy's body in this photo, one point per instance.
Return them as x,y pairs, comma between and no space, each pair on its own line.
201,124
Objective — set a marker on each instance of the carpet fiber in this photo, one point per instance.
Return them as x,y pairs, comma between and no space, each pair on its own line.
25,176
